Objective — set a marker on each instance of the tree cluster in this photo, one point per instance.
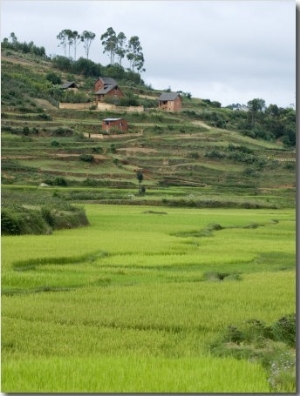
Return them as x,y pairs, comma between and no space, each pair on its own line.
114,45
71,38
13,43
88,68
255,119
271,123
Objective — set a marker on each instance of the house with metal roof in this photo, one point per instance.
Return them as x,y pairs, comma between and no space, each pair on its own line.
106,86
114,124
170,101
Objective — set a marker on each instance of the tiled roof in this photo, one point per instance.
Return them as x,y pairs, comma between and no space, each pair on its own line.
108,80
105,89
168,96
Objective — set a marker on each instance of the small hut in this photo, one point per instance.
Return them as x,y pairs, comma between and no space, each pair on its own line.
69,85
170,101
118,124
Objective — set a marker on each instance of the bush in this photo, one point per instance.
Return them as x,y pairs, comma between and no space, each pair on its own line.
90,182
214,154
284,330
87,157
249,171
10,224
44,117
290,166
60,181
129,100
47,216
243,149
194,155
54,78
26,131
62,132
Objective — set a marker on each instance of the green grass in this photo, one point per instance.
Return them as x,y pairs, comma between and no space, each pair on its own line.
132,374
134,302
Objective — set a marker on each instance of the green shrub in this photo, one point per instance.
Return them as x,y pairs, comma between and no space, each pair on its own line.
53,78
290,166
90,182
62,131
47,216
10,223
284,330
60,181
26,130
97,149
214,154
194,155
87,158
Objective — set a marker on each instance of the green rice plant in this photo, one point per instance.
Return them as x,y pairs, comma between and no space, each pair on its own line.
131,374
113,306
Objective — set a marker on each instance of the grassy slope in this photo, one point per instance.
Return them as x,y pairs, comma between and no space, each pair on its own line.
174,149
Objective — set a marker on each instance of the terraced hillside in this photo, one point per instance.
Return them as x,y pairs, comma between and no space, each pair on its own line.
186,158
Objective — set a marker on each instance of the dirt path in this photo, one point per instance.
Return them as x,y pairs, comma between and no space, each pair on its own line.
107,137
137,150
45,104
200,123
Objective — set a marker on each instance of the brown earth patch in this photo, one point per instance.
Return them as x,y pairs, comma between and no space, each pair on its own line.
107,137
137,150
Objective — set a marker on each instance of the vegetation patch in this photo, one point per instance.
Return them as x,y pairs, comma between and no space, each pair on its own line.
208,231
221,276
31,264
274,346
24,212
155,212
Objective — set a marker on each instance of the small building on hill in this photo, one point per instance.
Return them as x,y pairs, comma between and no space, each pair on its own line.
69,85
114,124
170,101
106,86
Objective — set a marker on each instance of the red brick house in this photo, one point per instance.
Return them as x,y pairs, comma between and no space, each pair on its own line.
117,123
106,86
170,101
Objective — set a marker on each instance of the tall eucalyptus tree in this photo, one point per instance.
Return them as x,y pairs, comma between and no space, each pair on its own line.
87,38
109,42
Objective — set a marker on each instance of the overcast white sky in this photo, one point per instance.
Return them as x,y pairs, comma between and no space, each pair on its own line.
229,51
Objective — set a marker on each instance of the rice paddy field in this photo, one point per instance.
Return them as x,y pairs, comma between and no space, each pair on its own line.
139,300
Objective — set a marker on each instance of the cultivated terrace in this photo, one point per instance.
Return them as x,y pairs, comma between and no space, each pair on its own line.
201,155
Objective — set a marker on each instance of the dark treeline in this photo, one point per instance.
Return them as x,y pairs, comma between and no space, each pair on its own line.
88,68
24,47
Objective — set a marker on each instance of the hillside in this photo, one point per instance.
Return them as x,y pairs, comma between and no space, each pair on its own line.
196,157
